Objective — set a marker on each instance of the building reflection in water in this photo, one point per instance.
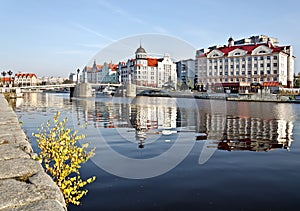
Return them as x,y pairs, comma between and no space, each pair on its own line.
231,131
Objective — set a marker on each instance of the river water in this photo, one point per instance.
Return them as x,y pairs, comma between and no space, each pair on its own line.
180,154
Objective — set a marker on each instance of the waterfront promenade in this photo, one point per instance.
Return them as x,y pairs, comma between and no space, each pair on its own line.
23,183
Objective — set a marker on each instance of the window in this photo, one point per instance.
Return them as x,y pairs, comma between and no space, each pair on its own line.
215,55
226,60
231,73
261,65
249,59
220,73
249,72
221,67
210,61
268,65
275,79
262,52
261,58
243,59
255,65
226,67
237,73
231,60
255,72
275,64
237,66
275,71
237,54
237,60
268,57
243,65
231,66
243,72
255,58
268,72
261,72
275,57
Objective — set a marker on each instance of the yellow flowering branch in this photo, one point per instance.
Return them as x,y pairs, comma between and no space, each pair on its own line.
62,157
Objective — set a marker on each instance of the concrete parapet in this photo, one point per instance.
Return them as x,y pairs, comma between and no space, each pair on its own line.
24,185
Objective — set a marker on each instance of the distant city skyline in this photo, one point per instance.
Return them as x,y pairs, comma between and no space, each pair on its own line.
54,38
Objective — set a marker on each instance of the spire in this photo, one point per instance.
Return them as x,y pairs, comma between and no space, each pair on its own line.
95,65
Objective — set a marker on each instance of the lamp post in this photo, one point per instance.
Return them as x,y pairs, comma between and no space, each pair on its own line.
78,70
10,73
3,79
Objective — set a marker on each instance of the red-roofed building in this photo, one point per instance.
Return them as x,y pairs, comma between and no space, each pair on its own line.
105,73
252,60
148,71
25,79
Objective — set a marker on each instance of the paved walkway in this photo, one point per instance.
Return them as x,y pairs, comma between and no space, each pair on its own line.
23,183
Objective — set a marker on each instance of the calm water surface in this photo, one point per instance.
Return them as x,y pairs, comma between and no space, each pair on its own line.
249,160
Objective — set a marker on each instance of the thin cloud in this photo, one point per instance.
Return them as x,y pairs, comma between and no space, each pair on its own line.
71,52
88,45
120,11
94,32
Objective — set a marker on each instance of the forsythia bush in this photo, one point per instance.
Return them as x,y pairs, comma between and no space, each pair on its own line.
62,158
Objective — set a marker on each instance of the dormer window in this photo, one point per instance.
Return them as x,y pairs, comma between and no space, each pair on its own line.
262,52
215,55
237,54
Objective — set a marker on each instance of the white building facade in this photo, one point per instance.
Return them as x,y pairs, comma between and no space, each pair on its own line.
25,79
246,63
148,71
96,74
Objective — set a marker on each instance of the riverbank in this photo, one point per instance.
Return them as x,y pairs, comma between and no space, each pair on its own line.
24,185
253,97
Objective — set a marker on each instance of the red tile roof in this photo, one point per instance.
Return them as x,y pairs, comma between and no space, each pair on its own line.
152,62
25,75
248,48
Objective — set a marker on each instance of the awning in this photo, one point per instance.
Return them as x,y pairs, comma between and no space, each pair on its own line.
227,84
273,83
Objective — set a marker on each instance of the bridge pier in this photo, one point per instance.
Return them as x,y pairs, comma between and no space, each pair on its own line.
83,90
131,90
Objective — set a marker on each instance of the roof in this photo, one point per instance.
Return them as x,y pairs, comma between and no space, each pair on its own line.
8,79
25,75
140,50
249,48
152,62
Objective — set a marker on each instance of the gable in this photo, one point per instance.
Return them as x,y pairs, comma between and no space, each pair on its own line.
261,50
215,54
237,52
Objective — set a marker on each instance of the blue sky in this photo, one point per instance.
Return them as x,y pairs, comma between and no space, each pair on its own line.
54,38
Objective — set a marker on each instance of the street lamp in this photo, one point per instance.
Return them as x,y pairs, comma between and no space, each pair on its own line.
10,73
78,70
3,79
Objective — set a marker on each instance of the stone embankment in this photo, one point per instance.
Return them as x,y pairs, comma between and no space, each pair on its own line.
24,185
